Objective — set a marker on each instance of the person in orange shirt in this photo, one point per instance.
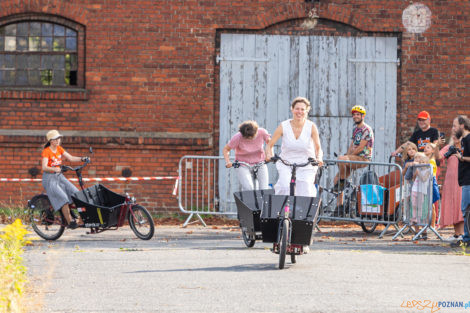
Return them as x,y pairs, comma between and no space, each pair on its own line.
58,188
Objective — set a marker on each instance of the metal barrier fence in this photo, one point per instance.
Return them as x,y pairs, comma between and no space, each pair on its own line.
374,193
418,202
206,187
369,196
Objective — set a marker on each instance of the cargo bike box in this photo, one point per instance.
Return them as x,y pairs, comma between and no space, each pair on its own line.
303,214
99,206
249,204
381,199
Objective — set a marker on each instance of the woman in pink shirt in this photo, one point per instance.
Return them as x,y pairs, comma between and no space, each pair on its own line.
248,145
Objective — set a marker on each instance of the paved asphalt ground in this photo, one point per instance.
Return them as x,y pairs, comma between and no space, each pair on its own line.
198,269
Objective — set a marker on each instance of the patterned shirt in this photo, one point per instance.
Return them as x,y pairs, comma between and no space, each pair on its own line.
364,133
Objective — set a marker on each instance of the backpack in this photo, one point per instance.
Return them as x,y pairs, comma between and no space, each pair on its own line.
369,178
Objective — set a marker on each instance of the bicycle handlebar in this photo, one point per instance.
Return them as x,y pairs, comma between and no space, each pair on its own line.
65,168
237,164
398,155
311,161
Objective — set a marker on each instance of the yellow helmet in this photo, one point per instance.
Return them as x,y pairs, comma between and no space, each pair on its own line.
358,108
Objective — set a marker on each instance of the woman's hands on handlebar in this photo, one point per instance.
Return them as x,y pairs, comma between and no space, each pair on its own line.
64,168
237,164
310,161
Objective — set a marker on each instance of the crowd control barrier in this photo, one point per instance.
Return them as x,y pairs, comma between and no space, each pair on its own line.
418,202
371,195
206,186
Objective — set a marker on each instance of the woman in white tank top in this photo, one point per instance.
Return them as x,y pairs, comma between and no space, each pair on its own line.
300,141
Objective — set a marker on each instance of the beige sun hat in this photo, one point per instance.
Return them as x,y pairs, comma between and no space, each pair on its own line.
53,134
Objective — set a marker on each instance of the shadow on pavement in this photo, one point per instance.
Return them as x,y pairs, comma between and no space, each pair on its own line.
235,268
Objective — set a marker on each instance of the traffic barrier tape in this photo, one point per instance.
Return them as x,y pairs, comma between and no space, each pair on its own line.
175,189
95,179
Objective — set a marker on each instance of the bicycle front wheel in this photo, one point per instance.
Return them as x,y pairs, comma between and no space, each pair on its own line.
247,239
283,242
141,222
46,222
368,227
292,258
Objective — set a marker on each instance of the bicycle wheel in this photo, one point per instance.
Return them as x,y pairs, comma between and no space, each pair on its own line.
292,258
249,242
46,222
352,204
368,227
283,243
141,222
328,207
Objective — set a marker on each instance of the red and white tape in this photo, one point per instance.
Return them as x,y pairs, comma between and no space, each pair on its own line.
94,179
20,179
175,188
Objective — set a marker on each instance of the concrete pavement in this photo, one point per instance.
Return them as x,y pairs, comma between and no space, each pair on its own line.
198,269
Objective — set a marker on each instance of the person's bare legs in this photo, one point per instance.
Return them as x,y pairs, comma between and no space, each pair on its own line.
458,228
345,170
66,211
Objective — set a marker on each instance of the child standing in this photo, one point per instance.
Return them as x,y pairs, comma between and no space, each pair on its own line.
409,152
430,151
420,192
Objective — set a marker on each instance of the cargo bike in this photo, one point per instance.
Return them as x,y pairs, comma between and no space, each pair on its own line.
100,209
249,204
285,221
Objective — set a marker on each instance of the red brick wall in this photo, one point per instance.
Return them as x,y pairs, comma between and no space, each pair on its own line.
150,67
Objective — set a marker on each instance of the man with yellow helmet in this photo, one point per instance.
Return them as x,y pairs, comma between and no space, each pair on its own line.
358,108
360,149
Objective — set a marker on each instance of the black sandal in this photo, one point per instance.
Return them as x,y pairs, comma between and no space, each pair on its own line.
423,237
339,185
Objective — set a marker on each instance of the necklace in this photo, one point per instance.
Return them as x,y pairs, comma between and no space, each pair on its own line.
297,127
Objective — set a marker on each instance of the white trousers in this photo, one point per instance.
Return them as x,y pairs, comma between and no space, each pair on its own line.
246,180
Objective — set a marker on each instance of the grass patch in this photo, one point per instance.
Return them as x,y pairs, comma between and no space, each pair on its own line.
10,212
177,219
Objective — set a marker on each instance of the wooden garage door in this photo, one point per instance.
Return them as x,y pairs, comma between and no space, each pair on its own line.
261,74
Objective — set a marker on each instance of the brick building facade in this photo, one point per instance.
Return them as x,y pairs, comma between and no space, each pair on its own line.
146,90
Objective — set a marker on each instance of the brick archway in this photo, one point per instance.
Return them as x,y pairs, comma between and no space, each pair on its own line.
336,13
67,10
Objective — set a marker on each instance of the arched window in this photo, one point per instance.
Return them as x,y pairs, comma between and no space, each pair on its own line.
39,53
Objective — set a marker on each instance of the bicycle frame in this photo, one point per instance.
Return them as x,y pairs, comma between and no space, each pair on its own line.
335,194
291,249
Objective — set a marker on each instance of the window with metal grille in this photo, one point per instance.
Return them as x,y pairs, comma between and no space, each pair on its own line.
38,53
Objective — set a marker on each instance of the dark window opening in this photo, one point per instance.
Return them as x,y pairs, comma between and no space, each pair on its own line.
38,53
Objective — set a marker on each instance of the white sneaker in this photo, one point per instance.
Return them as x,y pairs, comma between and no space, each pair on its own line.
453,238
306,249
